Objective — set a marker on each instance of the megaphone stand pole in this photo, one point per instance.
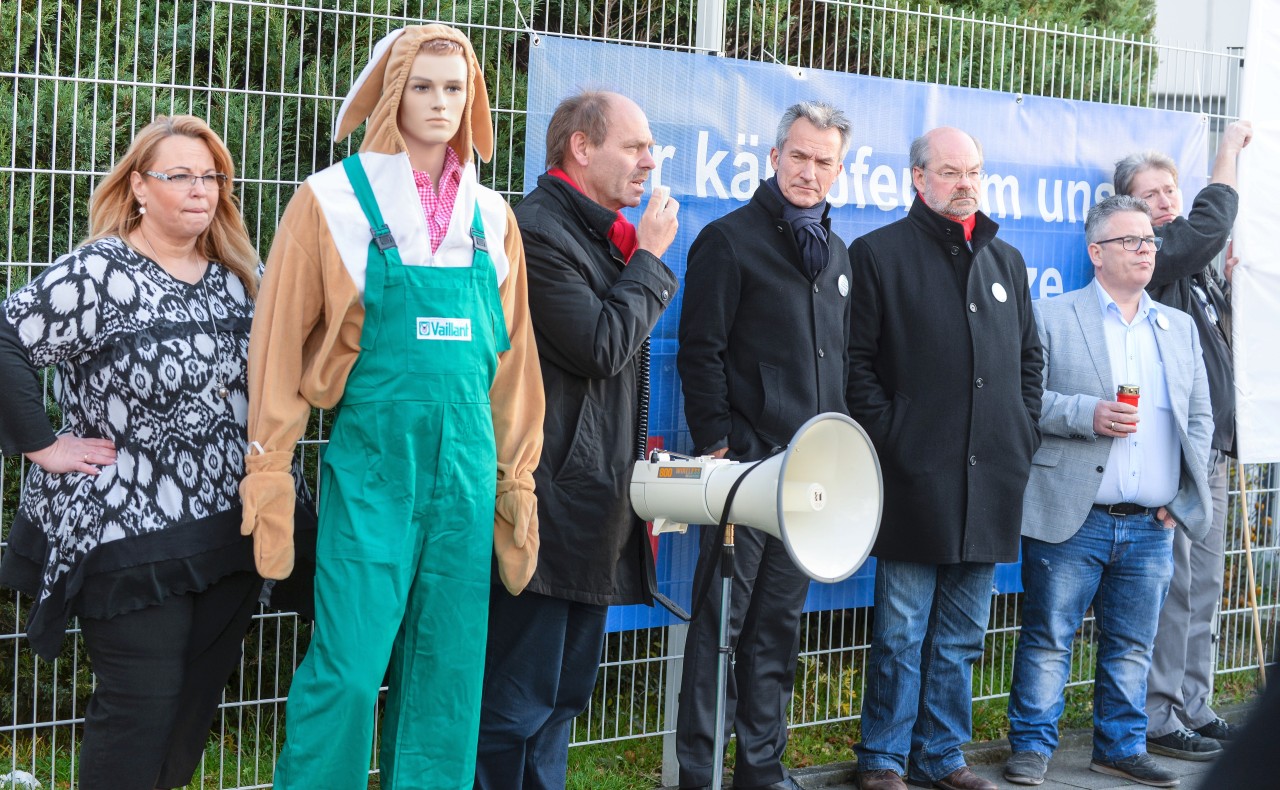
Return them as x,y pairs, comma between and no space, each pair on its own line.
726,653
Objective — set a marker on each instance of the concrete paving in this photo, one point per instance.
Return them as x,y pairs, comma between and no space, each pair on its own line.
1068,770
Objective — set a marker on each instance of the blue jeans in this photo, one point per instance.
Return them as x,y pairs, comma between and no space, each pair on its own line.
1122,564
930,621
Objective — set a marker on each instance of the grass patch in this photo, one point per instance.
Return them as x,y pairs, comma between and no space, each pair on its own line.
623,765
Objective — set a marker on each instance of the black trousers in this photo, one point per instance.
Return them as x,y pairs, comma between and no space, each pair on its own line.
764,629
539,673
160,674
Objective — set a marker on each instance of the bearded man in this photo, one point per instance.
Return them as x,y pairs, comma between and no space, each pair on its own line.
944,375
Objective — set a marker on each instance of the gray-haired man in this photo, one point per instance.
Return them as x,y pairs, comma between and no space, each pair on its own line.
763,347
1110,482
944,376
1181,722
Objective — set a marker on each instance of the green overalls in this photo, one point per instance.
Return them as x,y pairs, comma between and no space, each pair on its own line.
407,488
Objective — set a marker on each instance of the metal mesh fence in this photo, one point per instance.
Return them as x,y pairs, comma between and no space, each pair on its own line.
77,79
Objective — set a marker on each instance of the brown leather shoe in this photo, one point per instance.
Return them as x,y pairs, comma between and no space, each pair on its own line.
964,779
881,780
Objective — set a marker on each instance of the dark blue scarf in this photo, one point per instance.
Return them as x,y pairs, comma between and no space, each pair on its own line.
811,234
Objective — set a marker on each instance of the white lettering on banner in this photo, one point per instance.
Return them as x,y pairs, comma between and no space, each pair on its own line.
1080,188
884,188
856,173
744,183
865,182
998,187
859,184
661,153
1050,282
838,195
707,169
1077,193
1045,214
444,329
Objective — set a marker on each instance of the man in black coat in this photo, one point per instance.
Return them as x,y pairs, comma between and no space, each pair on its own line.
1180,720
945,365
764,335
597,287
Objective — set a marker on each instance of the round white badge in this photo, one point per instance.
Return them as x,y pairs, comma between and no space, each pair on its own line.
997,290
1161,321
843,285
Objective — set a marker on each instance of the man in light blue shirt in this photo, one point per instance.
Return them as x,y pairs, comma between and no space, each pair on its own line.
1143,467
1109,485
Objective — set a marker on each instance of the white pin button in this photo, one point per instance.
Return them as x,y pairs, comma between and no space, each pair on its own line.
1161,321
997,290
843,285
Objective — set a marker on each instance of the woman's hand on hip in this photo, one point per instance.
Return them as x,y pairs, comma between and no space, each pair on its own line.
74,454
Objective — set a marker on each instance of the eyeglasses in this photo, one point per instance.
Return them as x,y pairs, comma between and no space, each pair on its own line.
187,180
955,175
1134,243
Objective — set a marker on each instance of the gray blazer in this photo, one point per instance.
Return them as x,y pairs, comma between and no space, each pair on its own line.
1067,469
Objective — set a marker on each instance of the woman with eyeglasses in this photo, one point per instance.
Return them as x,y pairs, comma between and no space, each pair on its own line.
130,515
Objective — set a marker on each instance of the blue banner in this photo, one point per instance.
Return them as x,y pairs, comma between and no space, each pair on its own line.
714,119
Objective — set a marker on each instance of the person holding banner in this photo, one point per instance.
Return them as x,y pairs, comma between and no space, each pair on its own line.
1181,723
396,291
597,287
764,336
1109,486
944,375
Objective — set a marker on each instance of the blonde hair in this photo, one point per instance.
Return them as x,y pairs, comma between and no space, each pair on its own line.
113,207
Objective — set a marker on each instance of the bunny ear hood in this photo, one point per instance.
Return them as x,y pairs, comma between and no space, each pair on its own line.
376,93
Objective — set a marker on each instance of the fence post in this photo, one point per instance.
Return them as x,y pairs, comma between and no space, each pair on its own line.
676,635
709,33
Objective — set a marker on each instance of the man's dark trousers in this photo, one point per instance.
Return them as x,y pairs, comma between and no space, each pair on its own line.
539,672
760,685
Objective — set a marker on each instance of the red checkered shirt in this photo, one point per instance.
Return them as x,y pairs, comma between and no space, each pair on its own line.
439,208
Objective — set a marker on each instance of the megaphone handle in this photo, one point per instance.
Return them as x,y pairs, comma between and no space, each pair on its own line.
725,654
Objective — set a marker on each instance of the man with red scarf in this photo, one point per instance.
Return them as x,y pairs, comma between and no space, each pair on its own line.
945,376
597,287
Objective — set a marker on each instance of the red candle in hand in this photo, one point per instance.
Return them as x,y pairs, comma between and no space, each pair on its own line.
1128,393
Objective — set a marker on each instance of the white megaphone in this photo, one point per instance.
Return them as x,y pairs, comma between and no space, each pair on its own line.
822,497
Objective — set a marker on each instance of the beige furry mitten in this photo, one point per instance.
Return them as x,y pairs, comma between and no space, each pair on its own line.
515,533
267,495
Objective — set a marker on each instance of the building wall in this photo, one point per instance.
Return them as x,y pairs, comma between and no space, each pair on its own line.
1208,25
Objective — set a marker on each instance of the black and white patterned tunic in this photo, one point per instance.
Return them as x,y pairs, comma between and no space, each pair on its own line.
137,361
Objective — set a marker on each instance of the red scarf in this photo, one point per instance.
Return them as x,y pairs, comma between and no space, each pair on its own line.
968,223
622,233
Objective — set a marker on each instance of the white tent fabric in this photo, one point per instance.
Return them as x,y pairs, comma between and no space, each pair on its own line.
1255,291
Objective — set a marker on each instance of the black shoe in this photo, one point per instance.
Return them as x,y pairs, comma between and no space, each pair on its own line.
1219,730
1026,768
788,783
1185,744
1140,768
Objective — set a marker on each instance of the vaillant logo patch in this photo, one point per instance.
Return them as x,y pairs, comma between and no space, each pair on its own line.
444,329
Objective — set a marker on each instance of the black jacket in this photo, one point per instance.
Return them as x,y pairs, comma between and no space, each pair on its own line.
762,348
945,376
591,317
1186,259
